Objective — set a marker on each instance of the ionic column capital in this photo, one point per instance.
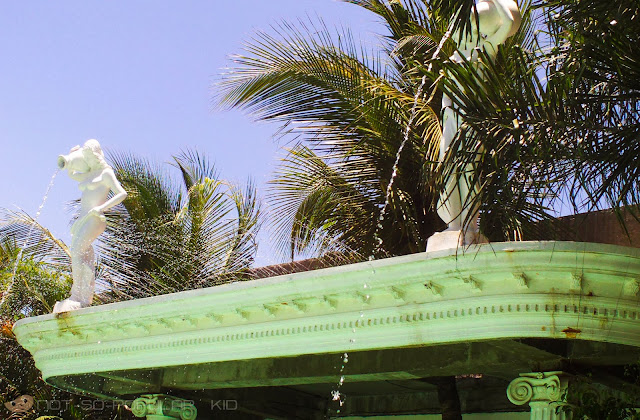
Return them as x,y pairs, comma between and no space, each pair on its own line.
163,407
545,392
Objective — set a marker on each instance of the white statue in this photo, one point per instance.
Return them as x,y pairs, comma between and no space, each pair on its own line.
96,179
497,21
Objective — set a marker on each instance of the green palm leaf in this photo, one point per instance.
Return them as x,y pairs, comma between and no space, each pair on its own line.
351,113
170,236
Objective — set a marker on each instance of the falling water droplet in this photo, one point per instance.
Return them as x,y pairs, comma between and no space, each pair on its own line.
335,395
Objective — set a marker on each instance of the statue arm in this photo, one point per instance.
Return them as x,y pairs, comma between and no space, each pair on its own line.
119,193
78,176
510,14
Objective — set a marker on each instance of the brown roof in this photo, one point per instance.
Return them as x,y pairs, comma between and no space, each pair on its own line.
601,226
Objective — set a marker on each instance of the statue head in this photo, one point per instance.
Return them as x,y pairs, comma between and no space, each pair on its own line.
486,20
490,20
85,158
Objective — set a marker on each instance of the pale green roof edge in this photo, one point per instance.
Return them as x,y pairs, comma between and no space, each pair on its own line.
519,289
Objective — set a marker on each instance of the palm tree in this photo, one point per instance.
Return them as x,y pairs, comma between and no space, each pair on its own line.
600,45
171,236
34,267
554,125
352,111
557,122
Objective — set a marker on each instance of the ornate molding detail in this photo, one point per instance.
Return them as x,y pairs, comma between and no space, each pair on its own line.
521,280
544,391
475,285
632,287
157,407
576,282
433,288
404,301
474,319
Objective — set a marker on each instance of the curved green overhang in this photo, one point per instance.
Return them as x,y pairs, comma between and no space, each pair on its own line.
518,290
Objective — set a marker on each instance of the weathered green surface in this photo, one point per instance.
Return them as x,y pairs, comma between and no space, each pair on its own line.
499,310
511,290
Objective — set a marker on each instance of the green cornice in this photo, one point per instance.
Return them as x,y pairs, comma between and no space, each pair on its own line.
505,290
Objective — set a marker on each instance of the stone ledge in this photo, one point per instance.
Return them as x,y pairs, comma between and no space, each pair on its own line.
508,290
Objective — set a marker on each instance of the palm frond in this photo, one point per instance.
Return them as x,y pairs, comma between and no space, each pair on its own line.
322,208
352,115
33,238
600,46
169,237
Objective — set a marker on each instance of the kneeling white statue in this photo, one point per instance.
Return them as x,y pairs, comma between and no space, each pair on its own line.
96,178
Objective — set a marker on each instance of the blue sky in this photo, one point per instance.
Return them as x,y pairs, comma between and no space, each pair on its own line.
136,75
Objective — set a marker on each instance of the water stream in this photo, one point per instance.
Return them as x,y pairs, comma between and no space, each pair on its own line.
405,138
394,171
7,292
336,394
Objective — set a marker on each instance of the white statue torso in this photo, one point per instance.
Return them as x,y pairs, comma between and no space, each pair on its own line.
95,189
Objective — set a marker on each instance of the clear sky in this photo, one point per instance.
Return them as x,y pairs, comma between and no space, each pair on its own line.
137,75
